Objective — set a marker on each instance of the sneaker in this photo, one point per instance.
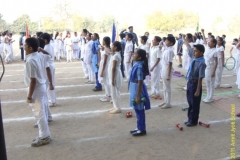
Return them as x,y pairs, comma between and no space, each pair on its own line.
97,89
133,131
179,66
161,105
165,106
204,99
111,109
185,88
152,95
111,101
41,141
139,133
53,105
86,77
87,81
126,81
90,82
115,111
106,99
208,100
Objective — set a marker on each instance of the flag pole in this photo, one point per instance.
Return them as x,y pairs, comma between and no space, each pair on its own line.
3,153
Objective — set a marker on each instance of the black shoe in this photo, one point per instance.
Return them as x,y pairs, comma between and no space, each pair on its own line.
97,89
191,124
180,66
139,133
186,122
133,131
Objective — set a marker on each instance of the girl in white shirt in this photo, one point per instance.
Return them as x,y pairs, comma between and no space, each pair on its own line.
76,48
115,77
60,47
103,69
56,47
220,54
211,61
88,58
7,47
69,50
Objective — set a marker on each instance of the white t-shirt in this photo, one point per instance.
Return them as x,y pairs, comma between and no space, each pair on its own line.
88,52
144,47
155,54
149,41
35,67
219,51
49,49
75,41
68,43
209,55
167,56
128,50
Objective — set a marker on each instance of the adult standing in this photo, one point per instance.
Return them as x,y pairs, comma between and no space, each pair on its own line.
135,38
179,49
21,46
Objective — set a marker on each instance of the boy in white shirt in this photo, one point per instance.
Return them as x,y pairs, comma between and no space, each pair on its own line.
51,93
128,55
83,53
167,69
155,66
76,48
34,78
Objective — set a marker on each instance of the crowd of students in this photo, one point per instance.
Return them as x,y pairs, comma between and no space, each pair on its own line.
106,64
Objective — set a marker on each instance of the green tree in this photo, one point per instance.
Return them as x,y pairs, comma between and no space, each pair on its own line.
80,23
48,24
105,25
234,24
3,24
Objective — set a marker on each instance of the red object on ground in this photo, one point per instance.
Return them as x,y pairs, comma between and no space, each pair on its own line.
204,124
179,126
238,115
128,114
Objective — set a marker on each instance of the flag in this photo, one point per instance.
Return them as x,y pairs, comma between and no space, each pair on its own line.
197,28
113,33
27,33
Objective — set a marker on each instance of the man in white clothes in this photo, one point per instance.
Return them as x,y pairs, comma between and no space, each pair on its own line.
51,93
35,79
84,64
76,48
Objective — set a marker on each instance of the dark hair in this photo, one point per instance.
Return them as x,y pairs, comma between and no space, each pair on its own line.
96,35
209,33
190,36
142,53
90,34
56,35
158,39
39,34
172,40
222,43
144,38
32,42
107,41
147,33
46,36
130,36
85,31
164,39
235,39
212,36
41,42
224,35
122,35
214,41
118,45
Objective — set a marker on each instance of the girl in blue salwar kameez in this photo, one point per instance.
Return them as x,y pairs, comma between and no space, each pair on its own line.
139,99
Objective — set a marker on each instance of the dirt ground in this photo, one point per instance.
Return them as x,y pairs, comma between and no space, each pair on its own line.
82,129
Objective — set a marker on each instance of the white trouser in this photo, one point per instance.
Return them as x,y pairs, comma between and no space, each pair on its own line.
237,64
107,89
85,68
7,54
155,83
52,93
62,53
91,74
167,88
146,81
69,55
209,82
218,74
46,104
116,98
128,68
57,55
38,109
24,55
75,53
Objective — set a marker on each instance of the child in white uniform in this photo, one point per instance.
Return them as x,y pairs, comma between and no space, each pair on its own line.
69,49
128,55
220,53
187,46
155,58
7,47
115,77
211,61
84,64
76,48
234,48
56,47
1,45
103,69
48,47
145,46
34,78
167,69
88,58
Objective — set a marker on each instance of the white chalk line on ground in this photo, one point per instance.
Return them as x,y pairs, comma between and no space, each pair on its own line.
115,136
22,70
62,98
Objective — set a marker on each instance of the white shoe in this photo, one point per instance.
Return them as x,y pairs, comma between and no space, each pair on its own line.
115,111
52,105
87,81
91,82
204,99
161,80
161,105
165,106
208,100
111,109
185,88
106,99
